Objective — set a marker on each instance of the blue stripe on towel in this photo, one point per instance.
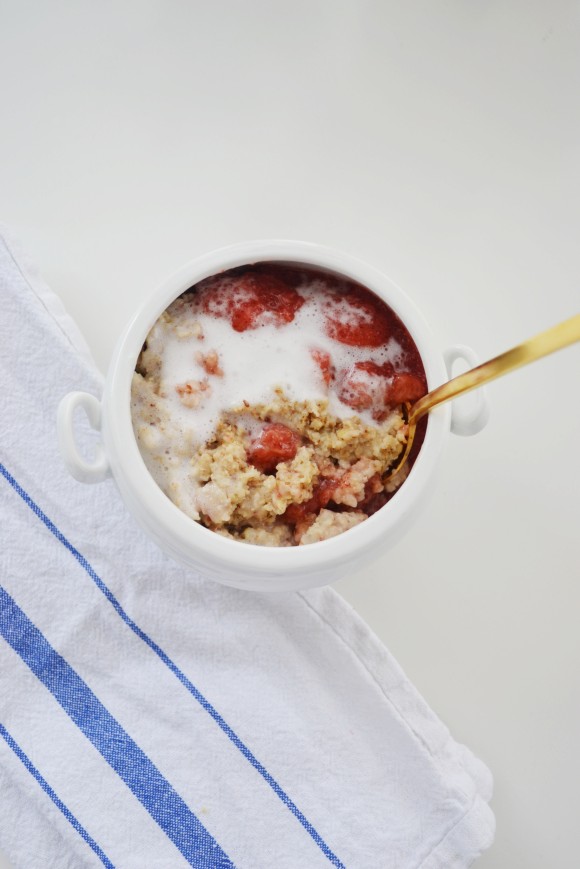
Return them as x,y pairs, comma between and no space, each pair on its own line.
283,796
54,797
133,766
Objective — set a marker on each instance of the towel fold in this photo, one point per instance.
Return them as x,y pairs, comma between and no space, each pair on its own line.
151,718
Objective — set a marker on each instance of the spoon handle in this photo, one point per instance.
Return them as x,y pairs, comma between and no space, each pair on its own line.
547,342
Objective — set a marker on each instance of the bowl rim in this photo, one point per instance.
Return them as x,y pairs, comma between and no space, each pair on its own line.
177,531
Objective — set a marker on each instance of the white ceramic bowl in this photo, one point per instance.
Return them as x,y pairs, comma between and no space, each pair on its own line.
231,562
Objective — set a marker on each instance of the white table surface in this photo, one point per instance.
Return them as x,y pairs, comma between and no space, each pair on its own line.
439,141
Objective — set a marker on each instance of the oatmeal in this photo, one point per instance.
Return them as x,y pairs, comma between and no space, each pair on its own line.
267,403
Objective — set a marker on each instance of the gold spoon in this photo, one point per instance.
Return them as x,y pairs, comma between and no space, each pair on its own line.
547,342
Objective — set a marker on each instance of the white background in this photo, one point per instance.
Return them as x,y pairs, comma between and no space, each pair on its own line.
440,141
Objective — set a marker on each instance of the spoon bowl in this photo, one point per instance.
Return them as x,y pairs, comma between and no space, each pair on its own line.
555,338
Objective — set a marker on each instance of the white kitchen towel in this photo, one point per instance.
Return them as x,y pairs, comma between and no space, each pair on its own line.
151,718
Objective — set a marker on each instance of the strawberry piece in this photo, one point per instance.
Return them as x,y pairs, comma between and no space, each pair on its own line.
324,362
363,385
368,386
405,387
276,443
357,318
250,300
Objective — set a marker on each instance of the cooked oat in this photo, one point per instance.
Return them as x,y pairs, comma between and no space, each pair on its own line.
216,485
328,524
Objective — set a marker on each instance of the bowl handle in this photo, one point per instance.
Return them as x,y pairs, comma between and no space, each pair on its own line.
467,422
81,469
